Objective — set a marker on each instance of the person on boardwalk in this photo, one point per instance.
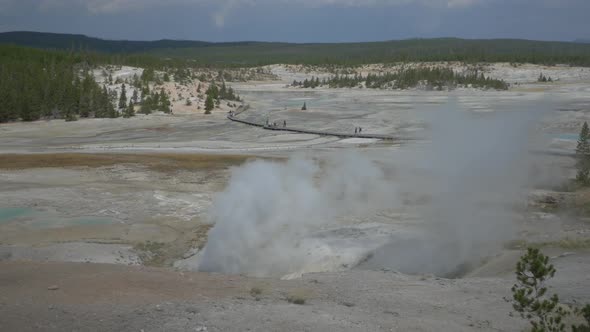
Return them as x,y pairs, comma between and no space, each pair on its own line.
360,130
356,130
284,123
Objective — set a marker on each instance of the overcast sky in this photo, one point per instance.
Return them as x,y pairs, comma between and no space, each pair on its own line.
301,20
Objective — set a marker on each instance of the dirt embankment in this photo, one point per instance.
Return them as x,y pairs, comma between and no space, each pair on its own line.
97,297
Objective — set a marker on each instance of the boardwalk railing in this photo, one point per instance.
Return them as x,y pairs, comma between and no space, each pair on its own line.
306,131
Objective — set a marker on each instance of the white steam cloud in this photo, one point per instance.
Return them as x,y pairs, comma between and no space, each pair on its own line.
474,175
269,208
462,188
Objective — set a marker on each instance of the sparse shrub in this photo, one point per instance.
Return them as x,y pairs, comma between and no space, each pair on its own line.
151,253
296,298
71,117
255,291
585,313
544,79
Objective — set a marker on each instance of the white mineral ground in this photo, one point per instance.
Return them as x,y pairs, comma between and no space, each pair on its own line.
348,229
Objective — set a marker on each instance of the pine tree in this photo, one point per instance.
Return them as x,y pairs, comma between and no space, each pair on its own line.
129,111
68,105
213,91
155,101
135,97
209,104
148,75
583,146
100,106
145,92
529,294
136,82
146,105
542,78
84,108
164,103
304,108
87,89
583,156
96,102
110,105
123,98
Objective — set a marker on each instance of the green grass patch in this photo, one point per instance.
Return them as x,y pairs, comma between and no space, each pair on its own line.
151,253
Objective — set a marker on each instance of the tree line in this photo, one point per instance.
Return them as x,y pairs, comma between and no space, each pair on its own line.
437,77
403,51
250,54
215,94
36,84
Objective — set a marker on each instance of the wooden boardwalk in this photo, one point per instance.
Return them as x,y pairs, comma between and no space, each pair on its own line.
312,132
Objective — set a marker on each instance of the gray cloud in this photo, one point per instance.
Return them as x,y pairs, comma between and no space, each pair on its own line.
301,20
109,6
228,6
224,8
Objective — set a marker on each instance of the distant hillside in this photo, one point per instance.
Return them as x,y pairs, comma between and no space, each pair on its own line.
439,49
262,53
585,41
80,42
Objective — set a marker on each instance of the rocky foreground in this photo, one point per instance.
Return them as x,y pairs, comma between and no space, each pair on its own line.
97,297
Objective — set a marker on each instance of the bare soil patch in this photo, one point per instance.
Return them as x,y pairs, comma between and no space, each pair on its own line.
162,162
